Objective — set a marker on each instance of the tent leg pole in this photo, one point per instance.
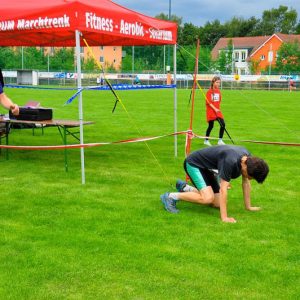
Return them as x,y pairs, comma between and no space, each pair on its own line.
77,37
175,102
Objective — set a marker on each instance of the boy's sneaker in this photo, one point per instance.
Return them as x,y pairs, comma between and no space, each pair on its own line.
220,142
207,143
180,185
169,204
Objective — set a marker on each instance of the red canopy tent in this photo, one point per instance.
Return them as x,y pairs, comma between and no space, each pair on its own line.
67,22
102,22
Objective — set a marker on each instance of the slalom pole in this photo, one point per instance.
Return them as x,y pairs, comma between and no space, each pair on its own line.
225,130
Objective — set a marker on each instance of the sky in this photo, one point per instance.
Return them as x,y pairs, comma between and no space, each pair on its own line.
198,12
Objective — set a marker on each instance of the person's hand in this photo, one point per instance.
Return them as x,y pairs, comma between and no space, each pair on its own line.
229,220
15,109
254,208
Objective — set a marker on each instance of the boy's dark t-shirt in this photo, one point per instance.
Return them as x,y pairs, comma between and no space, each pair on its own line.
226,159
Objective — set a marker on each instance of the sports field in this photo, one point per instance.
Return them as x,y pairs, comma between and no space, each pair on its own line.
112,239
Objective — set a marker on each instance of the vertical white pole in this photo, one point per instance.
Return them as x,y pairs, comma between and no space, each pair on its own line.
175,102
48,66
233,59
270,58
77,37
22,54
164,59
133,65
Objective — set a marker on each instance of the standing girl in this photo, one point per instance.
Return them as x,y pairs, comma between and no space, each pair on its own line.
213,112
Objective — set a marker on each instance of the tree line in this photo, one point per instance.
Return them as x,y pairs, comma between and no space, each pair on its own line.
155,58
280,19
276,20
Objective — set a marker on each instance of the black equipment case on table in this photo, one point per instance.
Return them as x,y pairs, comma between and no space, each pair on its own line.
33,114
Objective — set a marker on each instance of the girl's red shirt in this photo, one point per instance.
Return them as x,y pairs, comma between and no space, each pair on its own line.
213,96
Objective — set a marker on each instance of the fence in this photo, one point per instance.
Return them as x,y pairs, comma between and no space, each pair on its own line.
184,81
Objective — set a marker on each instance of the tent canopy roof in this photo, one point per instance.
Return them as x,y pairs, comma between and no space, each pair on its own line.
101,22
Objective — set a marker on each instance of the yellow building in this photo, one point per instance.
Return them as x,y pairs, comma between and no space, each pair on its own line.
108,56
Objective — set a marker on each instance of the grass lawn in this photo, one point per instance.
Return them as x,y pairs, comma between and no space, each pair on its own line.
112,239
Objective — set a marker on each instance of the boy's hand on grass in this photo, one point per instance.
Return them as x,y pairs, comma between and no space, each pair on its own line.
254,208
229,220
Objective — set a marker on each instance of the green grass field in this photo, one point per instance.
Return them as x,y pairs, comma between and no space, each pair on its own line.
112,239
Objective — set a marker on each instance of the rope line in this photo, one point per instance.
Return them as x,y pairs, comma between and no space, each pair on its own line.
137,140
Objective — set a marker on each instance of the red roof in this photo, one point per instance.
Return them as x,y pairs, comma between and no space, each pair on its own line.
289,38
253,42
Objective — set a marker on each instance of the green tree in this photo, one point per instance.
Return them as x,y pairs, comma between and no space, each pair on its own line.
145,58
254,66
8,58
225,62
297,30
277,20
126,63
288,59
90,65
211,33
34,58
186,58
63,59
189,34
140,64
239,27
205,60
221,63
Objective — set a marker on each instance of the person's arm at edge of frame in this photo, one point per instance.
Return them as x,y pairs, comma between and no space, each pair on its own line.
246,185
223,202
8,104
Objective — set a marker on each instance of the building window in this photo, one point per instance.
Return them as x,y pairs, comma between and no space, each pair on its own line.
262,57
236,56
101,59
114,61
243,56
81,50
115,48
101,48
